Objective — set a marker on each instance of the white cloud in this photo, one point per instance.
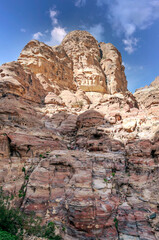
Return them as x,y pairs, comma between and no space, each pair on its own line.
38,35
132,68
130,44
127,66
128,16
97,31
58,32
23,30
80,3
57,35
53,16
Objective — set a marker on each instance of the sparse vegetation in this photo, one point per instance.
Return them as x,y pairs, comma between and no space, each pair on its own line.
63,228
116,223
14,223
42,156
6,236
26,177
105,180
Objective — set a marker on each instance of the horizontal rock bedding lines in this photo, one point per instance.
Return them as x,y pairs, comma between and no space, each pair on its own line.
76,147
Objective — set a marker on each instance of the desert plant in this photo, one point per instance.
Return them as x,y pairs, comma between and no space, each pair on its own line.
6,236
15,222
116,223
23,169
105,180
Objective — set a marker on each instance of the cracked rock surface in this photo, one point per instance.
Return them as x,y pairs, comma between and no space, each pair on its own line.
76,147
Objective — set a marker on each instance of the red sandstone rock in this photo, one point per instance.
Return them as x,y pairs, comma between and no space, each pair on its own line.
90,158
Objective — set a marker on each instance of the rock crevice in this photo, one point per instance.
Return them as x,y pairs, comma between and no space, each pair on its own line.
76,147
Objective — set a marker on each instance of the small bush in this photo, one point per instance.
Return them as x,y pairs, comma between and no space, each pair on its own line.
15,222
6,236
116,223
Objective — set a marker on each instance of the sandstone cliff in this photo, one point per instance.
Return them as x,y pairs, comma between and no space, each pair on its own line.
81,150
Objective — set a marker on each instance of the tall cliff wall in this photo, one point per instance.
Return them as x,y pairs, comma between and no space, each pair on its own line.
89,147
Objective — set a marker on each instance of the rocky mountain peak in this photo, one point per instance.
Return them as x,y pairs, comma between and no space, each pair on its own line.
76,147
155,83
79,62
96,68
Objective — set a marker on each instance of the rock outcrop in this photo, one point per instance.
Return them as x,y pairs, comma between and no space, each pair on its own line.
148,96
83,49
76,147
111,63
51,65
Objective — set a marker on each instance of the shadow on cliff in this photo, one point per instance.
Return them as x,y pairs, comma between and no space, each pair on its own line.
91,134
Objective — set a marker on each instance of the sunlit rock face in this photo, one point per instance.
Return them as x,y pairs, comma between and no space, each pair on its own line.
89,147
16,80
111,64
83,49
51,65
148,96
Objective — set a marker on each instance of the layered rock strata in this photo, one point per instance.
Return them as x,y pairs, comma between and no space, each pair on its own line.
77,149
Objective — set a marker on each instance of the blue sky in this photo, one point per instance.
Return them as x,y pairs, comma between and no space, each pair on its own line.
131,25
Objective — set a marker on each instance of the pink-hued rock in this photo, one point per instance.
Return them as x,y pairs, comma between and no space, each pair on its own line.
14,79
84,151
4,146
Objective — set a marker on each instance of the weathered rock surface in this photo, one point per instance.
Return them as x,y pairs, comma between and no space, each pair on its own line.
83,49
16,80
148,97
77,150
51,65
111,63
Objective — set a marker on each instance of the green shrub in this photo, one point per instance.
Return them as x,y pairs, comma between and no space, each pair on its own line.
6,236
116,223
16,222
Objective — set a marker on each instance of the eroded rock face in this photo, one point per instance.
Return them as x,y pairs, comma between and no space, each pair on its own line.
16,80
51,65
83,49
148,97
91,157
111,63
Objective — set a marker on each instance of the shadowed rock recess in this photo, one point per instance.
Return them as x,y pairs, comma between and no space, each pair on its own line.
76,147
